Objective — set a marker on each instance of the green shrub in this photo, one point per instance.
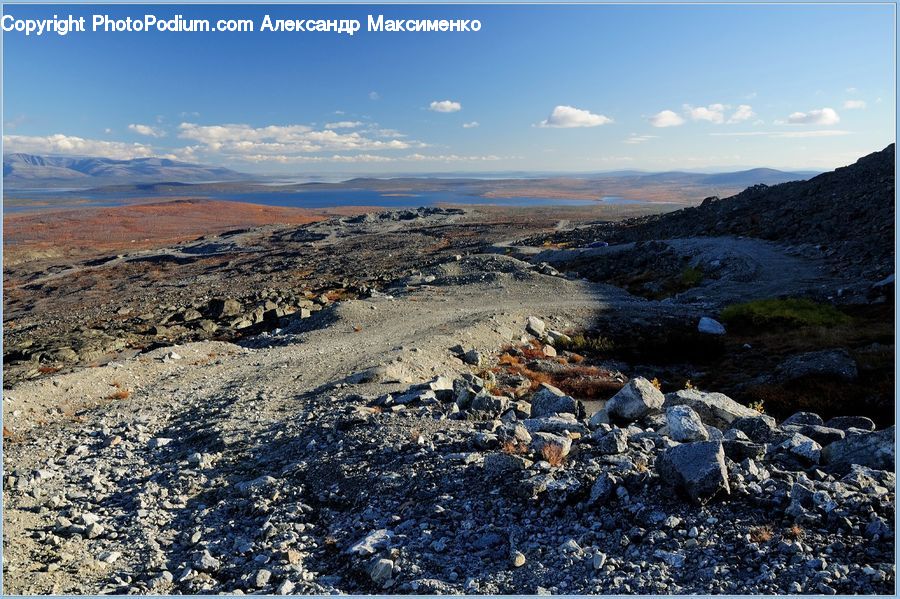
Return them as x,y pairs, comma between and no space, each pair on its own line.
789,312
691,277
581,343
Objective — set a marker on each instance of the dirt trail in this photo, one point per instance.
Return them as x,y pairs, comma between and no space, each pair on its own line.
235,397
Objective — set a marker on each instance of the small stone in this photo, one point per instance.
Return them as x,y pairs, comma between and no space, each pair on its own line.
285,588
710,326
518,559
262,578
613,442
381,571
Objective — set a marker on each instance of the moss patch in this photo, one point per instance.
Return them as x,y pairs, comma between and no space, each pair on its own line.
783,313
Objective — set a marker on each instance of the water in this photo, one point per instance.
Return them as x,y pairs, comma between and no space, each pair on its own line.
330,198
313,198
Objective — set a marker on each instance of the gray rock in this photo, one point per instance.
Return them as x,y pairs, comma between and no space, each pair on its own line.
820,434
489,405
685,425
635,400
554,424
714,409
262,578
803,447
158,442
547,443
550,400
223,308
757,428
873,450
710,326
207,563
801,418
497,465
371,543
556,337
285,588
846,422
536,326
613,442
381,571
739,450
697,469
473,357
599,417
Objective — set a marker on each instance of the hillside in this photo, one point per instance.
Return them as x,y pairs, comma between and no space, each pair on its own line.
847,215
32,171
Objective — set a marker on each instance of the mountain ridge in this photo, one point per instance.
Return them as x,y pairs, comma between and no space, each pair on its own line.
29,170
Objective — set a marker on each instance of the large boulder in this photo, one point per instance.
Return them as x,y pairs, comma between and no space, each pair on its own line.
223,308
801,418
535,326
635,400
685,425
873,450
715,409
696,469
757,428
550,400
847,422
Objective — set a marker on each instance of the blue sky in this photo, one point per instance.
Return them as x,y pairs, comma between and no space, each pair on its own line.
538,88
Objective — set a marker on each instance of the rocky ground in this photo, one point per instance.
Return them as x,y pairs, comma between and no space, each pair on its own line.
444,401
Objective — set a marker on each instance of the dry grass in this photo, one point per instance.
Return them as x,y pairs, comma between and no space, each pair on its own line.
795,532
761,534
583,382
553,455
120,394
48,369
514,447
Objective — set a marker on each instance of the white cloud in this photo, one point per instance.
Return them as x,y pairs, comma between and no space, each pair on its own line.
343,125
445,106
785,134
374,96
107,130
276,140
639,139
68,145
714,113
852,90
744,112
146,130
855,104
567,117
450,158
666,118
820,116
471,125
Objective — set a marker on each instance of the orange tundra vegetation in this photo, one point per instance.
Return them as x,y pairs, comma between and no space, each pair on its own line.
94,231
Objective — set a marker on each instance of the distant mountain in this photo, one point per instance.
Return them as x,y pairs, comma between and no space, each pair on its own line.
26,171
736,179
755,176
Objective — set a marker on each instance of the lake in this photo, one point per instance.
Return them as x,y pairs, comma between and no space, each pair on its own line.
313,198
